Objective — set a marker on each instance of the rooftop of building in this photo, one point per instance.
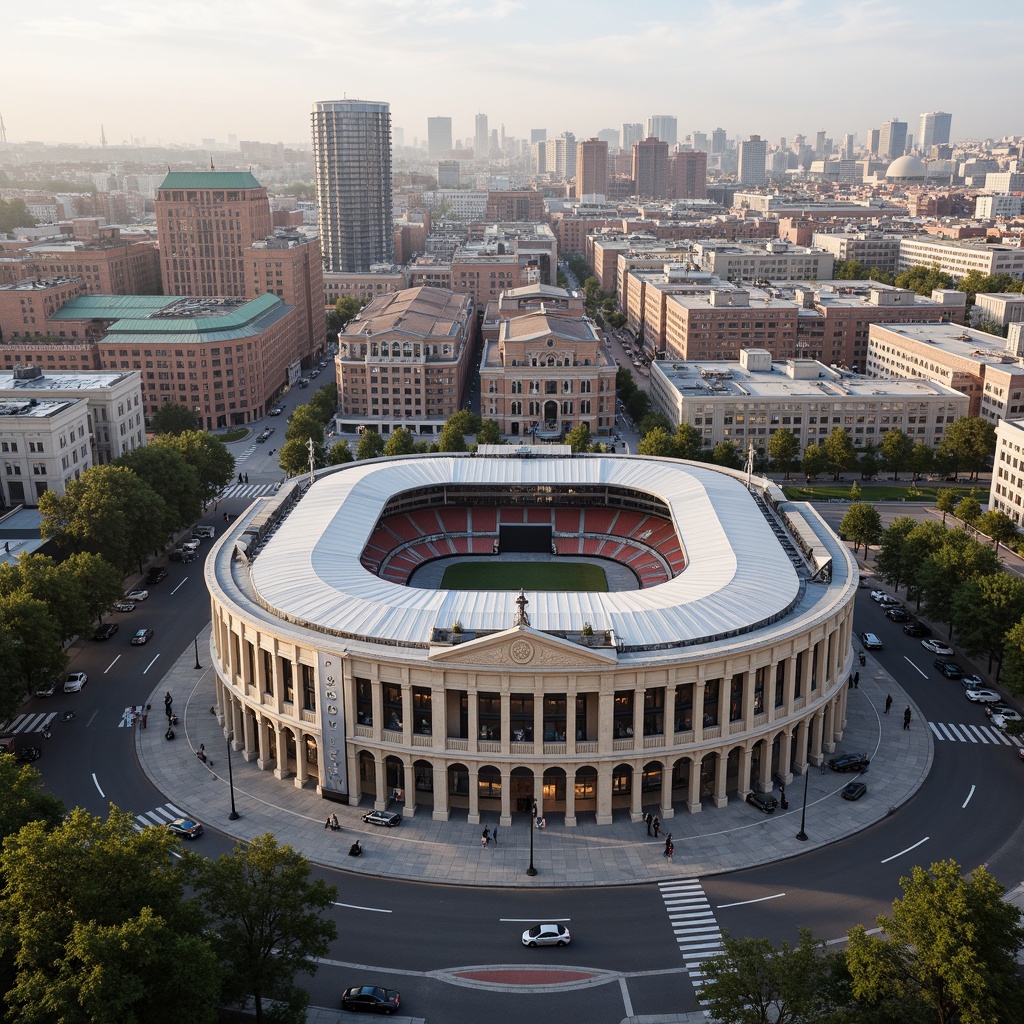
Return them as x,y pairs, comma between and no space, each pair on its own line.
209,180
60,380
953,339
729,297
962,243
39,284
771,246
35,408
422,312
542,324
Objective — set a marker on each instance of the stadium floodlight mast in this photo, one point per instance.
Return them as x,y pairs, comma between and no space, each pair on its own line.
311,448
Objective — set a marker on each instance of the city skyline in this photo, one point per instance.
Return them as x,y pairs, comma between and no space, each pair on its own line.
593,68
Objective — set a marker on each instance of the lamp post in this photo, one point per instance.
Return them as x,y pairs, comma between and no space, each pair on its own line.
531,870
234,815
196,642
802,835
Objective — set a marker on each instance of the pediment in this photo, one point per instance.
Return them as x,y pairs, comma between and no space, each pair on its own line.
523,648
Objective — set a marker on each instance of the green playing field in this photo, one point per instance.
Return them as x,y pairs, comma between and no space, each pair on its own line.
488,575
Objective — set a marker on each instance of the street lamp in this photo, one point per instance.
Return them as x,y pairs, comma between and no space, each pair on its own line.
802,835
196,642
531,870
234,815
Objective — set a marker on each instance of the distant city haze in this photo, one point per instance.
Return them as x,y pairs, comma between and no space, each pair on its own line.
160,74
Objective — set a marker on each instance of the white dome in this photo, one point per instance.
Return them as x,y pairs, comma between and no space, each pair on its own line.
907,167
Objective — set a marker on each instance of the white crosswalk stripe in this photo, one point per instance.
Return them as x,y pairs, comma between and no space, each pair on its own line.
693,924
970,733
248,490
27,723
157,816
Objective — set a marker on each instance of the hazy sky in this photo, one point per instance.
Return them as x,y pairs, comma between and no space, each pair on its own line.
183,70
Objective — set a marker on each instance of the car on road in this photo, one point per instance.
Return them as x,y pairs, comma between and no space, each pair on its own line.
849,762
156,574
871,642
547,935
191,545
370,999
106,631
124,606
386,818
882,596
48,689
937,647
950,669
183,554
972,682
1004,718
980,696
205,532
853,791
75,682
896,613
276,411
27,754
916,629
997,709
185,828
762,801
260,438
142,636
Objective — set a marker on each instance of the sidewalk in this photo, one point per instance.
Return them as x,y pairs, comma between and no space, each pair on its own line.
714,841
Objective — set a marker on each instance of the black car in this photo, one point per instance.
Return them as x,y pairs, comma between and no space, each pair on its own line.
386,818
897,614
849,762
185,828
27,754
106,631
950,669
370,999
142,636
762,801
853,791
156,574
916,629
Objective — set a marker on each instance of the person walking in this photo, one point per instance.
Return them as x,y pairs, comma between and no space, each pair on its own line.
670,849
485,838
906,719
647,821
888,703
856,680
494,835
668,843
656,824
246,477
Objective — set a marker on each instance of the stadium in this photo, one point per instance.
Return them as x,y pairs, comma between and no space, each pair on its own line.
600,635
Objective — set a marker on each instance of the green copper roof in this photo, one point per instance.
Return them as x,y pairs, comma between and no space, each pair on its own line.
210,179
112,307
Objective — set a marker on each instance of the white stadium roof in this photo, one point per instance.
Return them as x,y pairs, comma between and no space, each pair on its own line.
737,573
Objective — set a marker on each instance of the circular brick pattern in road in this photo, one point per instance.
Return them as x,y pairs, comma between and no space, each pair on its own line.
529,977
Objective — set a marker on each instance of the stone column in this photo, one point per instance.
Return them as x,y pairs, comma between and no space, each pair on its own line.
785,761
474,795
249,751
538,723
409,778
724,690
635,792
438,718
802,735
380,797
281,770
263,738
789,685
604,793
721,780
301,768
473,721
667,808
441,810
693,804
538,792
505,818
377,708
743,777
570,797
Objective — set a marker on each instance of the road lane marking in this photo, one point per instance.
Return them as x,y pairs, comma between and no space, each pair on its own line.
525,920
96,783
968,800
722,906
846,938
913,666
112,664
180,585
150,665
353,906
626,1002
907,850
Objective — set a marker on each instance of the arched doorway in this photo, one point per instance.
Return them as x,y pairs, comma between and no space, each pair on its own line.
521,790
458,788
550,415
681,772
367,774
423,780
585,791
488,782
394,778
553,790
650,786
622,787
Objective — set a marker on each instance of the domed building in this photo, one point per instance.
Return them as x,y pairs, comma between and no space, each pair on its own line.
907,168
714,657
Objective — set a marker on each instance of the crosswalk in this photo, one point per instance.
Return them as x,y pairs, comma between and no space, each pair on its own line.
162,815
693,922
971,733
248,490
24,724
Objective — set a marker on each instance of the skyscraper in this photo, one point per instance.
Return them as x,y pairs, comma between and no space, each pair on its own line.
753,154
538,135
892,139
664,127
688,175
718,142
482,142
632,133
352,164
439,138
650,169
933,130
592,169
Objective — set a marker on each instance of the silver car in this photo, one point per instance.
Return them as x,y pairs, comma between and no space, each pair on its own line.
547,935
982,696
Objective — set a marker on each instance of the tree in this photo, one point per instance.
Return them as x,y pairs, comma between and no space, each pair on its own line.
324,402
971,443
783,449
170,475
922,458
850,270
40,577
968,510
14,214
814,463
266,913
727,455
997,525
862,524
1013,659
946,502
891,562
657,442
689,443
399,443
896,449
579,438
12,682
452,439
868,463
959,559
750,982
489,432
924,280
922,542
371,445
24,798
108,511
345,310
306,422
172,418
842,456
950,944
985,609
339,454
208,456
293,457
96,917
465,421
101,584
652,421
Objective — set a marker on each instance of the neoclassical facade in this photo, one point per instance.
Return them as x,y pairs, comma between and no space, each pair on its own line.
675,691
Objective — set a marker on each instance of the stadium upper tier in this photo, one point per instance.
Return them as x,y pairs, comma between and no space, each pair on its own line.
738,577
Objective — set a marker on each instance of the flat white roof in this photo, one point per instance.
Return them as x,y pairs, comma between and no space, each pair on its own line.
737,572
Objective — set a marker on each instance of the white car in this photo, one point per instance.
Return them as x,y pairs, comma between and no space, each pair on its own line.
547,935
881,596
1003,719
137,595
75,682
937,647
982,696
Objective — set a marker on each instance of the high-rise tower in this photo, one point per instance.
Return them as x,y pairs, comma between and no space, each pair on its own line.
352,163
439,138
664,127
592,169
482,139
933,130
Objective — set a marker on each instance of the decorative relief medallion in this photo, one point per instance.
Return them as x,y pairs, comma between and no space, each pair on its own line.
521,652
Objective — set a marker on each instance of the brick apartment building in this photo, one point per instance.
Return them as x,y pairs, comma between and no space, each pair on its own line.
106,267
515,205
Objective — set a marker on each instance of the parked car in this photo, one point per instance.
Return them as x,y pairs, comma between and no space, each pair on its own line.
27,754
853,791
972,682
142,636
139,595
883,597
997,709
849,762
75,682
48,689
762,801
871,642
191,545
204,532
156,574
896,613
916,629
178,555
1001,721
260,438
937,647
370,999
982,696
276,411
106,631
185,828
124,606
547,935
950,669
386,818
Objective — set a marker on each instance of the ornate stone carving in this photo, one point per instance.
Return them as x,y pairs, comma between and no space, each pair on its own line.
522,652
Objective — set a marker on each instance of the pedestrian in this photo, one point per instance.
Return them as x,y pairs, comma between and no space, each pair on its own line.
656,825
668,843
494,835
821,766
906,719
239,477
670,850
888,703
486,835
856,680
7,547
647,821
144,717
169,735
849,683
246,477
168,699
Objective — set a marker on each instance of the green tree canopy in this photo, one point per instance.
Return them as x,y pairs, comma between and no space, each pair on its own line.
345,310
922,542
171,476
172,418
946,502
689,443
924,280
12,678
868,463
324,402
268,925
56,585
968,510
862,524
465,421
579,439
922,458
783,449
14,214
896,450
306,422
997,525
399,443
727,455
371,445
985,609
489,432
970,443
24,798
891,563
950,943
959,559
452,439
339,454
654,421
842,456
293,457
208,456
814,461
657,442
